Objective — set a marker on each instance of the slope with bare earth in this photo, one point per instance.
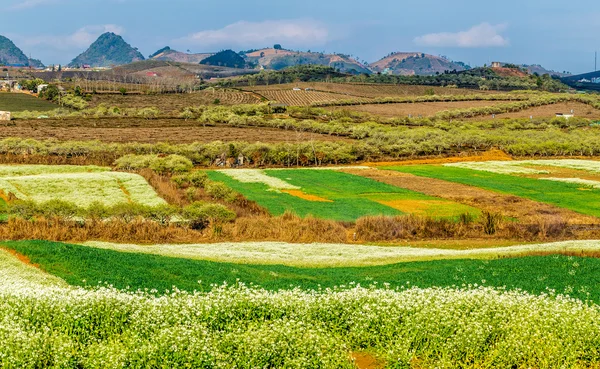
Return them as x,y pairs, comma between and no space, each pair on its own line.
278,59
168,54
425,109
510,206
415,63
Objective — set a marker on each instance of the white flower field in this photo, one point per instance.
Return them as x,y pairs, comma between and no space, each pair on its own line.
80,185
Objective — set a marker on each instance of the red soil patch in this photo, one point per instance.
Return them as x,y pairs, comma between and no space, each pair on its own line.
304,196
22,258
486,156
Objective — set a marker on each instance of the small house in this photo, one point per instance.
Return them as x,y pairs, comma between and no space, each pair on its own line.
41,87
297,89
496,65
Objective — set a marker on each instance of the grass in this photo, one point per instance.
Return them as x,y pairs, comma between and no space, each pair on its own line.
349,196
87,266
564,195
17,102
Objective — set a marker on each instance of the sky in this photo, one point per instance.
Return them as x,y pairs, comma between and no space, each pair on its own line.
559,35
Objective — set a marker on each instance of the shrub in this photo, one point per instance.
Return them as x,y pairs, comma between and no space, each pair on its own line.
220,191
200,215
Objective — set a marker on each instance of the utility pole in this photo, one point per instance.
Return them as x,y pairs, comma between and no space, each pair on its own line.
596,61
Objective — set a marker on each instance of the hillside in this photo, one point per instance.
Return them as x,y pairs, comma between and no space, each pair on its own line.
108,50
11,54
414,63
536,68
168,54
225,58
278,59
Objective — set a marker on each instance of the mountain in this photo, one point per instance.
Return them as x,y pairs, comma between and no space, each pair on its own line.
108,50
278,58
10,54
225,58
413,63
168,54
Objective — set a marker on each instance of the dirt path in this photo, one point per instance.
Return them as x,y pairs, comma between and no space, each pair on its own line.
508,205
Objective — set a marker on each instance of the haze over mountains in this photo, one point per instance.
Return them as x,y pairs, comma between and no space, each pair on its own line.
111,50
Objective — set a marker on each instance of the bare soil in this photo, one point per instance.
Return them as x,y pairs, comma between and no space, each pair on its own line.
176,102
426,109
150,131
548,111
510,206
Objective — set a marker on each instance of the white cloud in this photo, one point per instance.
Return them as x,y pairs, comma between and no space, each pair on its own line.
295,32
81,38
482,35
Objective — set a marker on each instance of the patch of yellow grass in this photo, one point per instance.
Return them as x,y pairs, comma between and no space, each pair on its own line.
436,208
305,196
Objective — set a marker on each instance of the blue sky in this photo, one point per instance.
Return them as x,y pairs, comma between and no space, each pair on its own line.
557,34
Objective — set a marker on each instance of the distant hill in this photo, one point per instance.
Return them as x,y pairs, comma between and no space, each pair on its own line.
278,59
414,63
536,68
225,58
586,81
10,54
168,54
108,50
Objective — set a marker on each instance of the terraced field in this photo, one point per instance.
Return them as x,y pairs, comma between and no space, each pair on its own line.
176,102
333,195
305,98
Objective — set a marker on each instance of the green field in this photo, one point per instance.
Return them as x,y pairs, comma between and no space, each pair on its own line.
343,196
561,194
86,266
17,102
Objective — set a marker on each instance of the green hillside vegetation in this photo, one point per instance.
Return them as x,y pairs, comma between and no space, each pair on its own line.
225,58
564,195
11,54
86,266
108,50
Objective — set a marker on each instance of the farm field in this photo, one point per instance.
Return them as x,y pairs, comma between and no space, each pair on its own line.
426,109
151,131
297,328
86,266
16,102
579,197
305,98
548,111
80,185
176,102
331,194
366,90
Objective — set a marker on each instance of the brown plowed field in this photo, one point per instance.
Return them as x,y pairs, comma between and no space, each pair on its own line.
510,206
369,90
426,109
547,111
159,130
176,102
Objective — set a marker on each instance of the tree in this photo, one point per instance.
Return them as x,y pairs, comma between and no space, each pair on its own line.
277,47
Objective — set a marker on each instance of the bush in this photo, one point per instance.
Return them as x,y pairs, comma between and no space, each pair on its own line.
220,191
200,215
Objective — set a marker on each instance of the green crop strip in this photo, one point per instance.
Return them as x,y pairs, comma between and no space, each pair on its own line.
87,266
